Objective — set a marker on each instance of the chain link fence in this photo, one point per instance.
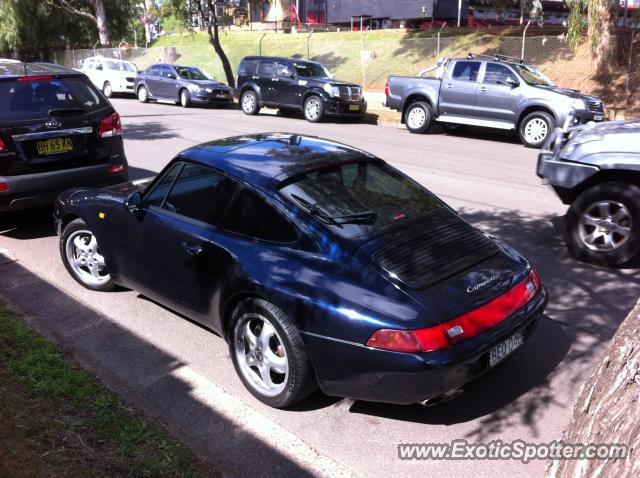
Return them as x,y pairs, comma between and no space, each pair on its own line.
369,59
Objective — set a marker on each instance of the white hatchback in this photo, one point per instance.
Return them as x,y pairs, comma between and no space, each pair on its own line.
110,75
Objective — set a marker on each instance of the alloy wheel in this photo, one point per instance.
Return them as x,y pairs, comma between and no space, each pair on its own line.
605,226
142,94
248,102
85,259
536,130
416,117
261,355
312,109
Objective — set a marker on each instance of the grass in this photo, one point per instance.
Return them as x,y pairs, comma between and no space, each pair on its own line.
57,420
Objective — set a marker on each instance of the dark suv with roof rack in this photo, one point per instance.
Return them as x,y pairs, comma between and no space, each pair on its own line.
489,91
293,85
57,131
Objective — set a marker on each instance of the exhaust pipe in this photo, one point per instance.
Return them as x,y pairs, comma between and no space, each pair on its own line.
443,397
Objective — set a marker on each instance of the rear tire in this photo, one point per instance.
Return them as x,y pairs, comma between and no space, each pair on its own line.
82,257
418,117
535,128
249,103
603,224
107,90
143,95
264,342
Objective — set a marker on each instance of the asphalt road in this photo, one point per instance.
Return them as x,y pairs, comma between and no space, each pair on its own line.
490,178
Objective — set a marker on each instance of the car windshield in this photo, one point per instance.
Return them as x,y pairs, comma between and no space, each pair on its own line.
311,70
22,100
360,198
532,75
190,73
120,66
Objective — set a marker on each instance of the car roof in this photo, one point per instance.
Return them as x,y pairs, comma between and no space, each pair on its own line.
14,68
277,58
106,59
266,159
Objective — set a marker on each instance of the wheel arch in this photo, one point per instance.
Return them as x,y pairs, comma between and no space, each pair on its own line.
603,176
533,108
412,98
249,86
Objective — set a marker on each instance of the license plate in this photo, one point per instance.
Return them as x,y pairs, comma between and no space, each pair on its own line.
354,107
54,146
223,95
598,117
503,349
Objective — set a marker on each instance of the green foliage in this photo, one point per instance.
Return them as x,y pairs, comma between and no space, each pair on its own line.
575,26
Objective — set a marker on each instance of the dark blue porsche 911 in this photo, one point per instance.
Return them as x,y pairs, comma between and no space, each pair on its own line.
319,263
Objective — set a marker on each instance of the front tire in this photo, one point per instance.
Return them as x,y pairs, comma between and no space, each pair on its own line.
107,90
269,355
185,99
143,94
418,117
603,224
313,109
249,103
535,129
82,257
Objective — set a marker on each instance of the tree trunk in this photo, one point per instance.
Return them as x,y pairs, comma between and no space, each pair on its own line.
214,38
608,408
101,21
603,16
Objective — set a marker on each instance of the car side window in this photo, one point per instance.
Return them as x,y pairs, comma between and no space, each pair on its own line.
89,65
156,196
154,71
201,194
166,71
465,71
247,67
497,74
252,216
266,69
284,71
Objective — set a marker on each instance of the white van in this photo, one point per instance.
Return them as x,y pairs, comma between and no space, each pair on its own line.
110,75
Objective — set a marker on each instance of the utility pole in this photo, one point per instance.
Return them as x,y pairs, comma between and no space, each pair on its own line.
459,12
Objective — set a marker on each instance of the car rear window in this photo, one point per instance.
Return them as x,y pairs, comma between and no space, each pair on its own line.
360,198
23,100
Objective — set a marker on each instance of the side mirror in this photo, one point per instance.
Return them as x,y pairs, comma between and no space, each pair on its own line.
134,202
171,76
512,82
99,67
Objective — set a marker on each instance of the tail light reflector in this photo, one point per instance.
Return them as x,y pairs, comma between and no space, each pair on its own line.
110,126
4,187
461,328
35,78
386,89
2,145
116,169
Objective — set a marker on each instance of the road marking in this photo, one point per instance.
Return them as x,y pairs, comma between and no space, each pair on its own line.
260,426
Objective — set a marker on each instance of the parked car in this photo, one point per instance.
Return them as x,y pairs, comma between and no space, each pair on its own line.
490,91
293,85
56,131
319,263
186,85
596,170
110,75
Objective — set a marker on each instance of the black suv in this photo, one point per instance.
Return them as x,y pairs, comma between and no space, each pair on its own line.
295,85
186,85
57,131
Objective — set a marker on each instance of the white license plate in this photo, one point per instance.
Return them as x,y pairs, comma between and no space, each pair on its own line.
598,117
223,96
503,349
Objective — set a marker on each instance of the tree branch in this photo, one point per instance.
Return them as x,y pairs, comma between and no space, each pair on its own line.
66,5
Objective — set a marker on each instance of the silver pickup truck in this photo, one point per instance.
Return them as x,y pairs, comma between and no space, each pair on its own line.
489,91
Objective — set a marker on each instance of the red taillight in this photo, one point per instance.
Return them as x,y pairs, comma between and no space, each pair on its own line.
4,187
2,145
35,78
386,89
461,328
116,169
110,126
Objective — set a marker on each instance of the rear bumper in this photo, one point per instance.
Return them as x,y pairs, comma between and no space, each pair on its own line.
41,189
363,373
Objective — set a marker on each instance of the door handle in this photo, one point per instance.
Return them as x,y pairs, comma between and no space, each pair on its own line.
483,88
192,248
449,85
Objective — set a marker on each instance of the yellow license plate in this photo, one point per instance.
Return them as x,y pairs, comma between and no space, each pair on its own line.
354,107
54,146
